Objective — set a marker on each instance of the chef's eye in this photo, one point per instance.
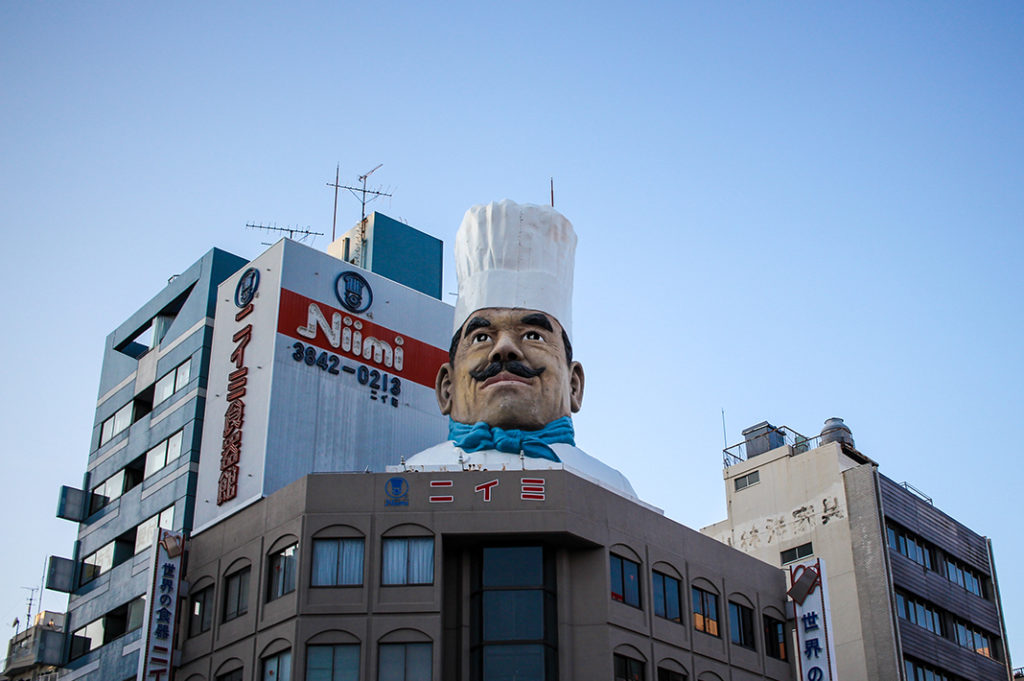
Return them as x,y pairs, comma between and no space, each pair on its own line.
480,338
532,335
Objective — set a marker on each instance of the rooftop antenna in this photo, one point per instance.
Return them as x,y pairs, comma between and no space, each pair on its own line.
725,438
552,192
31,597
359,192
292,231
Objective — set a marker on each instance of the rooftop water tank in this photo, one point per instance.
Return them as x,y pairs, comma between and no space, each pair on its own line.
836,431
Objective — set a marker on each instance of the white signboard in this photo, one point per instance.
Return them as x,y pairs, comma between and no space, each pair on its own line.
809,594
316,366
161,607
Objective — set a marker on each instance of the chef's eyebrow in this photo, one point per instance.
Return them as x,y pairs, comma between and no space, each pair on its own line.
474,324
538,319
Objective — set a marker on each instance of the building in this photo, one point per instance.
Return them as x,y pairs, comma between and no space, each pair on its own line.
914,593
141,470
159,379
34,654
473,575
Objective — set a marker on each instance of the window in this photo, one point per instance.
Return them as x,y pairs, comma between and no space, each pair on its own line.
796,553
405,662
116,623
145,533
172,381
116,485
200,611
332,663
628,669
705,611
774,638
741,625
281,577
964,576
117,423
910,545
918,612
666,597
972,638
669,675
278,667
408,560
513,603
747,480
625,578
338,562
104,559
236,594
235,675
167,451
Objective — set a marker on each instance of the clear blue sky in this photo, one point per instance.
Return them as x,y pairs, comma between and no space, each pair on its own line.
787,210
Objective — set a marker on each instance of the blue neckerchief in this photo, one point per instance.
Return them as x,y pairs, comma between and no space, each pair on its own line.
534,443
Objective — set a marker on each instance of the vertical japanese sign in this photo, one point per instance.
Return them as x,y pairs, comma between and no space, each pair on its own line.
155,657
809,593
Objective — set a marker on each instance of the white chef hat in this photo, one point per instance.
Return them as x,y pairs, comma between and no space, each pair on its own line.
515,255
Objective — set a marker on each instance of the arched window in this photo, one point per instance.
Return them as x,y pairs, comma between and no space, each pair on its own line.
405,655
338,557
407,556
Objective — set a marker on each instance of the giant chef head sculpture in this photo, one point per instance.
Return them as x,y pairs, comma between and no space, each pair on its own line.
510,383
510,363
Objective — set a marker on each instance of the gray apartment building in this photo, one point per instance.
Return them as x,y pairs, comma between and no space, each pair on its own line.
517,574
914,592
141,470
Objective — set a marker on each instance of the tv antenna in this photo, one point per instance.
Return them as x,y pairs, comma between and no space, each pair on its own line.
360,193
31,598
292,231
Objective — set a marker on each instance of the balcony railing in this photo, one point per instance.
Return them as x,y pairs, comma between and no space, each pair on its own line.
787,436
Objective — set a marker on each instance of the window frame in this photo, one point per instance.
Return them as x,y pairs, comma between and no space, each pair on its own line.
663,600
744,481
120,421
201,600
334,651
336,580
178,377
741,625
624,565
280,582
405,655
629,664
705,601
242,577
283,658
407,576
161,520
774,638
798,553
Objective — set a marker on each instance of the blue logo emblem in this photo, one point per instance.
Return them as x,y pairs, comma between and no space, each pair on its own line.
353,292
396,491
247,286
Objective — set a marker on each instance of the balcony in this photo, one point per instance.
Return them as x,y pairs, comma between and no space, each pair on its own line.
37,647
765,437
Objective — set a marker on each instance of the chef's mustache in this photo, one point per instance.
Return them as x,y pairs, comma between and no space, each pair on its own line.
512,366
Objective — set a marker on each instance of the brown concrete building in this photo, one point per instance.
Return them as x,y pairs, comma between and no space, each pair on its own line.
473,575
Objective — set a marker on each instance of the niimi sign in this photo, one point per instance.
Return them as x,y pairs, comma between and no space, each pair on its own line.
809,595
315,366
161,612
